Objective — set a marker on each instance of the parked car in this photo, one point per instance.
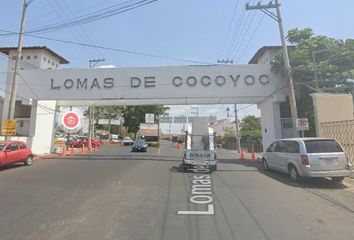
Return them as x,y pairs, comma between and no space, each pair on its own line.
127,141
14,152
307,157
139,146
83,141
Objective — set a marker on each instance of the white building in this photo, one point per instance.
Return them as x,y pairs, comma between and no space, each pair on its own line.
222,125
31,118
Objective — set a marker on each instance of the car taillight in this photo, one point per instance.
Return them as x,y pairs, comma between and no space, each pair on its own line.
304,160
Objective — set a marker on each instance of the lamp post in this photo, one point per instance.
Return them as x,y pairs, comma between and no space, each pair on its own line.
237,133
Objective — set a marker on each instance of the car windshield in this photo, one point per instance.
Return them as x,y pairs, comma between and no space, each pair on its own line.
322,146
2,145
139,142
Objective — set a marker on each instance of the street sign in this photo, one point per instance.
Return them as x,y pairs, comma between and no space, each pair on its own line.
9,128
302,124
149,118
106,121
71,120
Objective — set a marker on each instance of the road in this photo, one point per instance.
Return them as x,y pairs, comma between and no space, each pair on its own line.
115,194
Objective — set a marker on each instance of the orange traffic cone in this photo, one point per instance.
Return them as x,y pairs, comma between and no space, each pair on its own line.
71,151
253,156
63,152
83,150
242,157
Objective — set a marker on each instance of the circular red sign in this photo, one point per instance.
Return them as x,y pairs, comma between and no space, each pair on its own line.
71,120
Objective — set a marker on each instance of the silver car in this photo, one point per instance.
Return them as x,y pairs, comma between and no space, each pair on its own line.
307,157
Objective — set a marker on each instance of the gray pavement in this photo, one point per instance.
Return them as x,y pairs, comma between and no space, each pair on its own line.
116,194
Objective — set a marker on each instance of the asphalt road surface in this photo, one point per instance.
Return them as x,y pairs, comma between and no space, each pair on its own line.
116,194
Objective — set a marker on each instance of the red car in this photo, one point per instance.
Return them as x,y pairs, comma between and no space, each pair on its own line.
78,142
14,152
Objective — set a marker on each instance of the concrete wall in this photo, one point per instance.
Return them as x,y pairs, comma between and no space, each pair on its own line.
270,122
42,127
331,107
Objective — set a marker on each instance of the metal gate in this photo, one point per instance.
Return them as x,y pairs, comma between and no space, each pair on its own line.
343,131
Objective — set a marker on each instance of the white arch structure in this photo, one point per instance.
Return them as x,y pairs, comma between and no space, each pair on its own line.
206,84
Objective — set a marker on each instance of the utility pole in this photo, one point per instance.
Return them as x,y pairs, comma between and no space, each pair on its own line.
93,62
91,127
13,92
227,61
237,133
277,17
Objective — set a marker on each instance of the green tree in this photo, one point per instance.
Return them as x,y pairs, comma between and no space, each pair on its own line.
250,129
230,132
334,65
134,115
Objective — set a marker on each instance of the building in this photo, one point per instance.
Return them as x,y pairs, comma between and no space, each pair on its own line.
222,125
31,118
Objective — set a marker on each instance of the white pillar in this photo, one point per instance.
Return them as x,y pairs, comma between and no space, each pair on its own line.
270,121
42,127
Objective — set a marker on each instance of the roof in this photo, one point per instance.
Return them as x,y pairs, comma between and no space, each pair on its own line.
6,50
261,51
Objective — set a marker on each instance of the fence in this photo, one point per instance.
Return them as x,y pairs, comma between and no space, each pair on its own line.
343,131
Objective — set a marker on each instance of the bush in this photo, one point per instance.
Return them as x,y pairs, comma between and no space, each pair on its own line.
153,144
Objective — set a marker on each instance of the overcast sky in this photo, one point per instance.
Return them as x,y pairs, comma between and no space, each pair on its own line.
191,30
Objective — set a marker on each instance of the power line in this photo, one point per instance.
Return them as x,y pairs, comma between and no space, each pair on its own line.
238,24
242,34
115,49
250,40
93,17
229,29
77,34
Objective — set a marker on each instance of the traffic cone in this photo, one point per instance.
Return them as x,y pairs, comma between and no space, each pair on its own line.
253,156
83,150
71,151
242,157
63,152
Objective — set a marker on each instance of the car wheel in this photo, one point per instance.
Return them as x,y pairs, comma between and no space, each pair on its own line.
29,161
294,174
337,179
265,165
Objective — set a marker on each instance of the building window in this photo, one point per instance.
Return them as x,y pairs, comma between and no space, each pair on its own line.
21,57
28,57
52,63
44,59
56,65
35,56
48,61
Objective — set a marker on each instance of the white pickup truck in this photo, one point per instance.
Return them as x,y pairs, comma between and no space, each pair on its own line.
200,145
